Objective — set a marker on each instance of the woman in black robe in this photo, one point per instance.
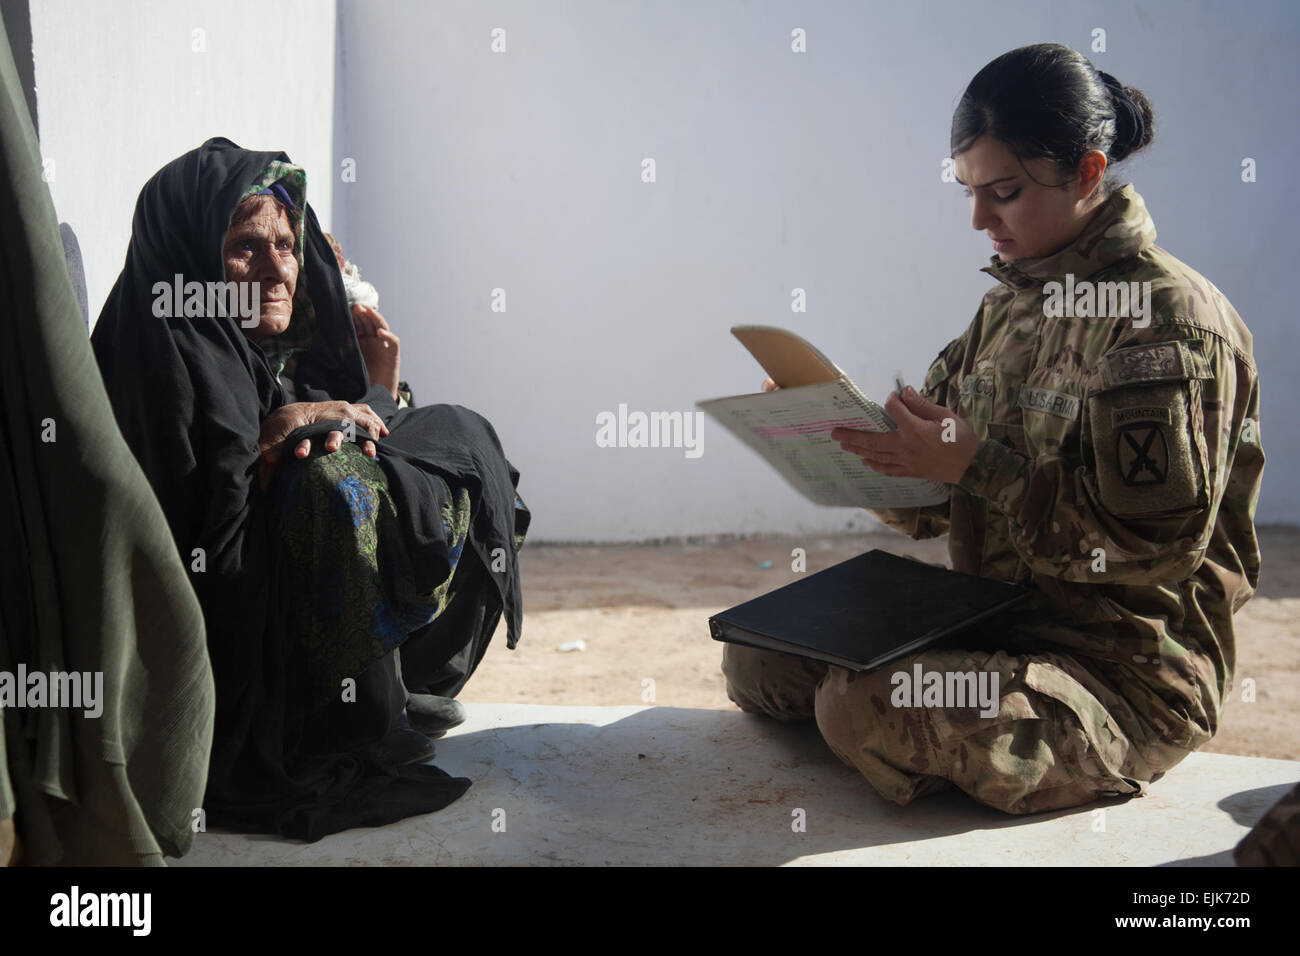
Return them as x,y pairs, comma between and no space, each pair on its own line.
321,534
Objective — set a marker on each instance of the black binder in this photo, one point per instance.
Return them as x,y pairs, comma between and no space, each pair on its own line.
866,611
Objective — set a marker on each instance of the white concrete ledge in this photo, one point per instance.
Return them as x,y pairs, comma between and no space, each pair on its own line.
662,785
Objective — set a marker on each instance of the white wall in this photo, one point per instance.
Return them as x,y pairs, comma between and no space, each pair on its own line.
521,170
121,91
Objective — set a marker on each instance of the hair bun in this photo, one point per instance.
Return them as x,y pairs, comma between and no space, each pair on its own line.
1134,119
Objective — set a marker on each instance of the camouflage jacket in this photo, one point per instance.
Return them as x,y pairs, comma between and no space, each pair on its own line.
1119,464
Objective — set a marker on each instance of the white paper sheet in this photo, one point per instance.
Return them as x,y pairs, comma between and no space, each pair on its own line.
791,429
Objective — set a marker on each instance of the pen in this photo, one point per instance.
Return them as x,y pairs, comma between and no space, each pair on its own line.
899,386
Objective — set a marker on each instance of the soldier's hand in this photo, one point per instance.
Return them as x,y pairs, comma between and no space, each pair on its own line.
931,441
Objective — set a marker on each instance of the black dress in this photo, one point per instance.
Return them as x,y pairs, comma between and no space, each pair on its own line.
190,395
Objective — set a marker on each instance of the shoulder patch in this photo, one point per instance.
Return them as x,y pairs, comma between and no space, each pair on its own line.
1150,455
1159,362
1129,414
1142,453
937,374
942,368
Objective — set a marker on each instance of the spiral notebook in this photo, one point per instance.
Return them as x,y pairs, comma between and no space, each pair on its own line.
791,427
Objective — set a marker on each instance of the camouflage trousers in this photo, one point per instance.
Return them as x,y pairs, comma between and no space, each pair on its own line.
1054,741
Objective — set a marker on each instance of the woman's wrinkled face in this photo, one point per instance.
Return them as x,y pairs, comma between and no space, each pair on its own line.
259,248
1023,219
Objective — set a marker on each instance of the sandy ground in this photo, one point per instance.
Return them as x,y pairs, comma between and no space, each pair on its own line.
642,612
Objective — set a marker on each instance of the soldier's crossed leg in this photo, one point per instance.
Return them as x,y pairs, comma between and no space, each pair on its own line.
764,682
1053,743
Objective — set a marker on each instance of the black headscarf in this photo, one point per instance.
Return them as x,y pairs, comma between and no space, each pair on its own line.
190,395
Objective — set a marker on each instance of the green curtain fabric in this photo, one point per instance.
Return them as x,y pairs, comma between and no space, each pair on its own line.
90,579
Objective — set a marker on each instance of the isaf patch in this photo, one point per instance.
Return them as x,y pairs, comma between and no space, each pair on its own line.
1144,363
1160,362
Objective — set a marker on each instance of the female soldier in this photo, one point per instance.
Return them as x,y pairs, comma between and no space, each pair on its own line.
1102,417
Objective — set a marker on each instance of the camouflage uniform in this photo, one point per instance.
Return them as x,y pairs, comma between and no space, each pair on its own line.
1096,433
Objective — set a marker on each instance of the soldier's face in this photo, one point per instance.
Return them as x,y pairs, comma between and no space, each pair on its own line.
1023,219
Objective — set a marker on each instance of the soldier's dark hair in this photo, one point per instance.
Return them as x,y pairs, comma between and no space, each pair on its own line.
1048,101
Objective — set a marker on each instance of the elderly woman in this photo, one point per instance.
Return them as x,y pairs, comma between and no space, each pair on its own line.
325,525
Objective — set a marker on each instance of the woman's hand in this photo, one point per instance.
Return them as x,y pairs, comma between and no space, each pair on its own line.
379,347
931,441
769,385
285,419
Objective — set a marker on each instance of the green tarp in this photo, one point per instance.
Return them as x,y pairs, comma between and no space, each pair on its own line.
90,580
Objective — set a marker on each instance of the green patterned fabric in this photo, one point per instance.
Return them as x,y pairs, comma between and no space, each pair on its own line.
294,179
350,583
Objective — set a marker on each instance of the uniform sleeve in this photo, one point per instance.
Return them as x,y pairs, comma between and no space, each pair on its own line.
1169,414
930,521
